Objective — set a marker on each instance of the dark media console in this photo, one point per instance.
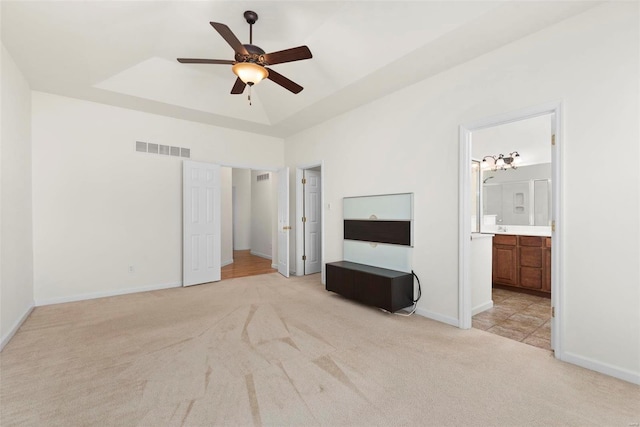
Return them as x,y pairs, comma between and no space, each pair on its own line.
378,230
379,287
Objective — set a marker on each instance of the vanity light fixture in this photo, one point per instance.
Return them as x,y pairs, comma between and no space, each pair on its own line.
501,162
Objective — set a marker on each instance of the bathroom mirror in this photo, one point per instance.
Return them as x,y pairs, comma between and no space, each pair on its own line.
519,198
513,180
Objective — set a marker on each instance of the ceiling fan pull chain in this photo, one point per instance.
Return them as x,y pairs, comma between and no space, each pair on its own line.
249,97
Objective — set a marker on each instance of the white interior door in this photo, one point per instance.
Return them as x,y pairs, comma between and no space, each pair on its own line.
312,223
201,223
283,222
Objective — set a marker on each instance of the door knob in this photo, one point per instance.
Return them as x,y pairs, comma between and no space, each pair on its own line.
286,227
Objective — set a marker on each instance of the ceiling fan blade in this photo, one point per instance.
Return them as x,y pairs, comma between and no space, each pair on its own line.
238,87
284,82
205,61
229,37
288,55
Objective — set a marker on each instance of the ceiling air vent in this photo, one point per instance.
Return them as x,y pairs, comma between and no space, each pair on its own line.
263,177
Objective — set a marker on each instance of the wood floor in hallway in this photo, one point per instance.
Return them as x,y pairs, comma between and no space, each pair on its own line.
244,264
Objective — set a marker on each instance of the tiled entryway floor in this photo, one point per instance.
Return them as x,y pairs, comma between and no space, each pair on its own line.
518,316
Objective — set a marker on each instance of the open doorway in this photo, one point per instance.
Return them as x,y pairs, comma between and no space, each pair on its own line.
248,205
509,265
512,166
310,221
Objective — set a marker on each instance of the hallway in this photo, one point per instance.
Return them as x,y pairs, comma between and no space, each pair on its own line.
244,264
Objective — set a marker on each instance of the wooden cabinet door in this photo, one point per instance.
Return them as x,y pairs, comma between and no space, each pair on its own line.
342,281
375,290
505,264
531,278
530,267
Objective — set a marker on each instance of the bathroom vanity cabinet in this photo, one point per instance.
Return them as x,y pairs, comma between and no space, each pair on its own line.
522,262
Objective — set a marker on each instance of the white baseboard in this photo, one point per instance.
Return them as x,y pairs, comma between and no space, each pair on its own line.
5,340
94,295
274,266
438,317
261,255
603,368
227,262
482,307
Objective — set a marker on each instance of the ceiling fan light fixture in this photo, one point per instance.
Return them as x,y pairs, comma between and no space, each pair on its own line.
249,72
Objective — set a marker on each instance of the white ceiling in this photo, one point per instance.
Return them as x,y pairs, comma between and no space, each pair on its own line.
123,53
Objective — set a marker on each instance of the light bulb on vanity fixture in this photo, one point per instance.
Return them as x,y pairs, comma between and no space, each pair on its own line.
501,162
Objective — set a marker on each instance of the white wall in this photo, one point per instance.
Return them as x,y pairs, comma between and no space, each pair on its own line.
480,272
262,206
100,207
408,142
242,212
16,248
226,216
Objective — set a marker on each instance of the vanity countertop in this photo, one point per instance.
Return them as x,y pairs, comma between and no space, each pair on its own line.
475,236
518,230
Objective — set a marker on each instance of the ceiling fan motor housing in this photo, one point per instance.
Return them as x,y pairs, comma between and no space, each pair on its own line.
256,55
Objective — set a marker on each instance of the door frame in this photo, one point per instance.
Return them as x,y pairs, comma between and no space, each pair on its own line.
272,169
300,212
283,197
464,226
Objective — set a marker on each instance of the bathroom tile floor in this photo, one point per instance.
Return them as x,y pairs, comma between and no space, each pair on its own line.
522,317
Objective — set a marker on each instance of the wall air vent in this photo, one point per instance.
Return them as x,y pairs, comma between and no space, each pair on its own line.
167,150
263,177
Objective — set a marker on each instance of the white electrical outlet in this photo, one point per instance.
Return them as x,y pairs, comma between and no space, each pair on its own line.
132,269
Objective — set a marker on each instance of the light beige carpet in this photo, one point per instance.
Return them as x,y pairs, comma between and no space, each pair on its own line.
274,351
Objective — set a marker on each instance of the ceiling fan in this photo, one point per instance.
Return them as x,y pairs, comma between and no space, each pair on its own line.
250,64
